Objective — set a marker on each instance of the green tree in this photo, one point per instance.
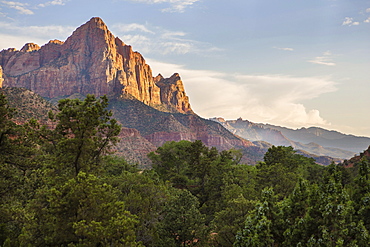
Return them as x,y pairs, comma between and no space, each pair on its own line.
144,195
73,203
17,164
238,196
171,161
282,168
261,226
182,223
297,208
322,215
362,192
197,168
230,220
82,211
85,131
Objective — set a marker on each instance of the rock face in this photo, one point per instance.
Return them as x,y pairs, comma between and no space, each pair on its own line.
173,93
160,127
90,61
1,77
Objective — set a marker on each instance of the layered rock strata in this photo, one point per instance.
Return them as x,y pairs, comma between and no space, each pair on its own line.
90,61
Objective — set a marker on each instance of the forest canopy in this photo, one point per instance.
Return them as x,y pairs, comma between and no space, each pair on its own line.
63,186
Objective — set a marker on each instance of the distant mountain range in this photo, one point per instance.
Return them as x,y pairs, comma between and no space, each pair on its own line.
313,140
151,109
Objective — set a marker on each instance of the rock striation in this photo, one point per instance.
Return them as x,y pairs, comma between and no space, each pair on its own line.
90,61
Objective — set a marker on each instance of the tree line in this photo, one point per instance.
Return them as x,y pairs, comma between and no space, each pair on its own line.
63,186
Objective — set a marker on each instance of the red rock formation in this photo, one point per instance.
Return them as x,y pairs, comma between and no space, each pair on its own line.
1,77
90,61
173,93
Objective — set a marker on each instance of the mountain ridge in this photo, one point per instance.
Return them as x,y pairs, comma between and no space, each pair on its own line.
315,140
152,110
90,61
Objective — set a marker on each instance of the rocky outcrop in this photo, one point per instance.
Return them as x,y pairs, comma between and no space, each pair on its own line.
173,93
1,76
90,61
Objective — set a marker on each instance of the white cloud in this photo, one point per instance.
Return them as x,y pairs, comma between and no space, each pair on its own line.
54,2
348,21
153,39
21,7
276,99
124,28
367,20
325,59
12,35
175,5
284,48
368,10
172,35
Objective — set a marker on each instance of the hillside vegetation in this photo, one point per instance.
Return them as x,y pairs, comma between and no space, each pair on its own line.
63,186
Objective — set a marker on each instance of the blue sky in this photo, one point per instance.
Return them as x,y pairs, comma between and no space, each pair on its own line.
291,63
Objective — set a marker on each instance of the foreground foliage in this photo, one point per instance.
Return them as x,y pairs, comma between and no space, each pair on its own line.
60,186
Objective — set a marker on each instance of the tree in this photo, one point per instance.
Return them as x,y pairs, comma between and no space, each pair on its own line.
362,192
171,161
82,211
322,215
72,205
84,132
261,226
197,168
230,220
144,195
17,164
282,168
182,223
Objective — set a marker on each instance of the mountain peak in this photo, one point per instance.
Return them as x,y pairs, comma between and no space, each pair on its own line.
91,61
96,22
30,47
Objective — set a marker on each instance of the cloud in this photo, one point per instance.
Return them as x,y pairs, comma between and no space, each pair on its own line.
276,99
367,20
284,48
367,10
175,5
12,35
54,2
348,21
153,39
325,59
21,7
131,28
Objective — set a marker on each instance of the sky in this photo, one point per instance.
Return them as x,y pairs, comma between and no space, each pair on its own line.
293,63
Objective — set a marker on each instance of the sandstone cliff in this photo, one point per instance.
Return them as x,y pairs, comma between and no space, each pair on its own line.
90,61
1,76
173,93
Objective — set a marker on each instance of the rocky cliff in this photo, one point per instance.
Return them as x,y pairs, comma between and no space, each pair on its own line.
1,77
90,61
